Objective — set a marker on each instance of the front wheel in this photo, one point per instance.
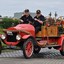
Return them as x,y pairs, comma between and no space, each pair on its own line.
62,49
28,48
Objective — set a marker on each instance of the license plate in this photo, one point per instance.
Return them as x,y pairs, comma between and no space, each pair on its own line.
9,33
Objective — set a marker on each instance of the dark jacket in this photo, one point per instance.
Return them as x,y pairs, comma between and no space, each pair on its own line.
42,18
27,19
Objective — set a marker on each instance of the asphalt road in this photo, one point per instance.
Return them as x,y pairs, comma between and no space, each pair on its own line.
45,56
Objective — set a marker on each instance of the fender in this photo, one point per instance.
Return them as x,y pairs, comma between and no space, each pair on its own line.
60,41
26,36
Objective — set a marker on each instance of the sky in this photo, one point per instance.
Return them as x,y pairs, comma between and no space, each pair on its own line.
9,7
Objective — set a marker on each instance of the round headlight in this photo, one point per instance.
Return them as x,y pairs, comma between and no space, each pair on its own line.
3,36
18,37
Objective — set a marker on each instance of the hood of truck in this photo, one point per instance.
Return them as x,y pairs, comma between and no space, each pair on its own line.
27,28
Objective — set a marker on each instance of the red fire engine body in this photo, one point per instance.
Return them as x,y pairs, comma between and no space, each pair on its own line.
23,36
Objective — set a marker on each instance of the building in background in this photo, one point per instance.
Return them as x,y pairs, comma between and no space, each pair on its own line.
19,14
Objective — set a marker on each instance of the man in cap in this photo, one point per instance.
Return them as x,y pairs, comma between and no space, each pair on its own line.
39,18
26,18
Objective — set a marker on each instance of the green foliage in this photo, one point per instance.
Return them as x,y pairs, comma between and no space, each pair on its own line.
8,22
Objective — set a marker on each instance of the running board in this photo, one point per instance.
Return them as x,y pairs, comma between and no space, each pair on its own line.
52,46
45,44
49,46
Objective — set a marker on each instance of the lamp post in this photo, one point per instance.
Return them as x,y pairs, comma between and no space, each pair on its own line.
55,16
0,18
50,14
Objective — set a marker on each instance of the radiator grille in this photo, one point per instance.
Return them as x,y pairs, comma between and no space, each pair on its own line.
11,38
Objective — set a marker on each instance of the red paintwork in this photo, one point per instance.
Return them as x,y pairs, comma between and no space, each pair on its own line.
11,43
25,36
60,41
27,27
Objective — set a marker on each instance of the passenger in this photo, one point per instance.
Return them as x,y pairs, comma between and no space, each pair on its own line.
39,21
26,18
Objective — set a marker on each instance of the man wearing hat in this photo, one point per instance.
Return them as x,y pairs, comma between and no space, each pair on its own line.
39,18
26,18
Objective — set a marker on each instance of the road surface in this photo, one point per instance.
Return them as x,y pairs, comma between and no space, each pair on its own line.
45,56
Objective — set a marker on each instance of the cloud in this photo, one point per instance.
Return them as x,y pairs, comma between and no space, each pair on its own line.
9,7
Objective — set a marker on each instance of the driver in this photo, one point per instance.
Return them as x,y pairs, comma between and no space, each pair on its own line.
26,18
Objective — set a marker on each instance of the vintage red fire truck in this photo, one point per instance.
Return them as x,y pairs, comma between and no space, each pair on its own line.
23,36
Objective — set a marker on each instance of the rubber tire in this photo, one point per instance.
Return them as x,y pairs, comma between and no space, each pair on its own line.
36,49
24,46
62,51
49,47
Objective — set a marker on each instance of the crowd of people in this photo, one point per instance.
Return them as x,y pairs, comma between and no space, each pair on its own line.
37,21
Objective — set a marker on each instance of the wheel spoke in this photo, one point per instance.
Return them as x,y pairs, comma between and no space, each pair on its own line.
29,48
